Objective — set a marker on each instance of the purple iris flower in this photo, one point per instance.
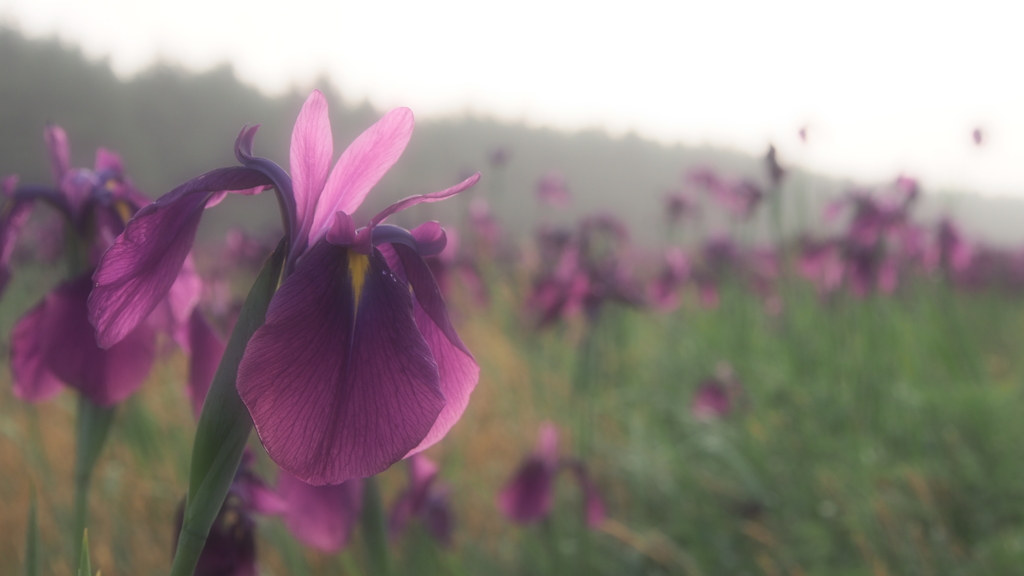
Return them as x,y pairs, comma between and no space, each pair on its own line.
529,495
230,549
425,498
357,365
54,342
717,397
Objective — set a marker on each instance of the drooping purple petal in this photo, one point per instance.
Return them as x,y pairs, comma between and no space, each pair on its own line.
458,374
428,295
361,166
33,381
138,270
457,370
312,150
60,153
321,517
207,348
339,382
69,351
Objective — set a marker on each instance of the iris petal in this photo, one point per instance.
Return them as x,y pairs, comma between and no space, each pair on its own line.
457,370
361,166
64,339
311,152
322,517
339,382
138,270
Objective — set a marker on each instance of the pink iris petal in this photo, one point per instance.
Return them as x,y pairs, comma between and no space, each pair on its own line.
67,348
339,382
425,198
139,269
33,381
60,153
109,160
207,349
311,152
458,372
360,167
322,517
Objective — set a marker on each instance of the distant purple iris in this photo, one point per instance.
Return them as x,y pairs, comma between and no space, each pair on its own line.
357,365
717,397
427,499
54,343
230,549
529,495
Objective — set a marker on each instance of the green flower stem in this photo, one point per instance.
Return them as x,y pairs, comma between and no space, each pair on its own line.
374,528
92,426
224,426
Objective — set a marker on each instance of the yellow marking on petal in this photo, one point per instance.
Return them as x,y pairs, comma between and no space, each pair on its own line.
123,210
358,264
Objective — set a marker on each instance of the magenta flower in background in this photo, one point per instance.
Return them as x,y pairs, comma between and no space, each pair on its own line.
529,495
230,549
717,397
740,198
553,191
678,206
54,342
357,365
425,498
321,517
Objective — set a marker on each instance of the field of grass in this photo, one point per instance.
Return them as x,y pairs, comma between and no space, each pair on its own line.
878,435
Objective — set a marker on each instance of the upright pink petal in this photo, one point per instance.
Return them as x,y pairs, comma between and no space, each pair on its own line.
361,166
311,152
339,382
321,517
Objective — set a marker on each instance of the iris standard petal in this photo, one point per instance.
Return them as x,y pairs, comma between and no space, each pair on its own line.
312,150
360,167
138,270
70,353
339,382
322,517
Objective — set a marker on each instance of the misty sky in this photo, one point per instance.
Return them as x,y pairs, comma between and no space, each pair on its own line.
883,87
